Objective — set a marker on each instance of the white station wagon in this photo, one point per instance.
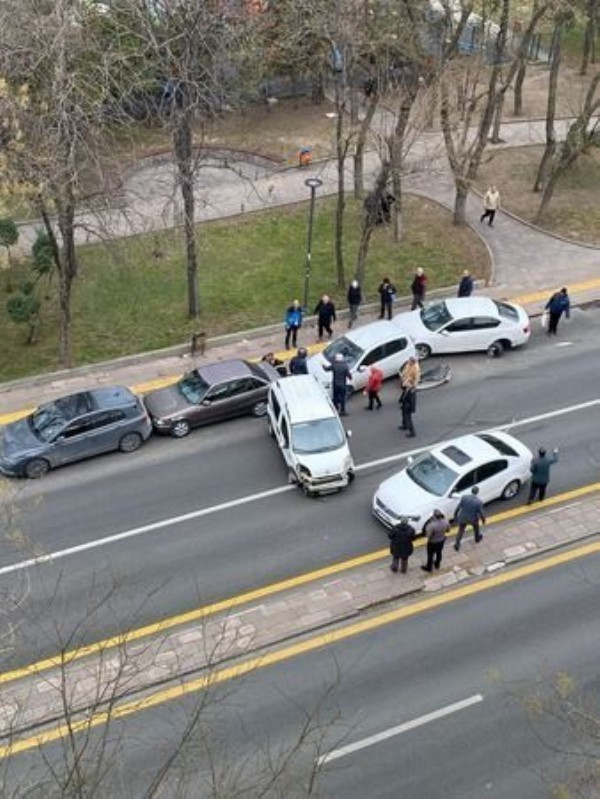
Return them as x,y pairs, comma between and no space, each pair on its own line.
382,343
496,462
466,324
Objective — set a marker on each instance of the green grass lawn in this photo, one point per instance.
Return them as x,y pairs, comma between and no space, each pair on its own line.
130,296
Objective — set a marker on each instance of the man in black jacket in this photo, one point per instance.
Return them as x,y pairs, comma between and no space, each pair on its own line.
540,474
341,376
401,544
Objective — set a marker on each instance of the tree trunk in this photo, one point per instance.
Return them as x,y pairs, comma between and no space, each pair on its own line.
361,142
518,97
184,156
363,250
460,201
495,137
550,149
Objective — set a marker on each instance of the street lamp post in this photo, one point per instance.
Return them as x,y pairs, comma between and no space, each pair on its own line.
313,184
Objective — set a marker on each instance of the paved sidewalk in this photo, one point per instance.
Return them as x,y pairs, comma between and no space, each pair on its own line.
218,636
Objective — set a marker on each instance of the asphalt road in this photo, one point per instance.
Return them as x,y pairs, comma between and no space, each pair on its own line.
179,563
445,691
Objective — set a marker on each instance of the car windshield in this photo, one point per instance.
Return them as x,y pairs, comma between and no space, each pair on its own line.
435,316
431,474
47,421
193,388
349,350
320,436
507,311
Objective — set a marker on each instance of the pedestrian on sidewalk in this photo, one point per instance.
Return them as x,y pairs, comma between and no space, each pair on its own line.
418,288
469,511
387,295
401,538
325,310
436,531
293,322
540,474
341,377
465,286
491,201
373,387
558,304
298,364
354,301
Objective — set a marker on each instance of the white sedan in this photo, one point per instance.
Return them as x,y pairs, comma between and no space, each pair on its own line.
496,462
382,343
465,324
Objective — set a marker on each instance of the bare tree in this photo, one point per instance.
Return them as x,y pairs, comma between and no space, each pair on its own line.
588,54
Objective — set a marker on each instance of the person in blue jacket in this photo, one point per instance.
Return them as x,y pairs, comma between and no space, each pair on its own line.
558,304
293,322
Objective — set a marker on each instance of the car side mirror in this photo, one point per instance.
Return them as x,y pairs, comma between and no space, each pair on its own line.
206,403
349,433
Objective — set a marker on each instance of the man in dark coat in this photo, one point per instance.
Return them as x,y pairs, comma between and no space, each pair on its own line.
401,544
408,405
436,531
540,474
469,511
298,364
341,376
558,304
354,301
325,310
387,292
465,287
418,288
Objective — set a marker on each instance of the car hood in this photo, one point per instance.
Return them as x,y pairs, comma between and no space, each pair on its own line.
404,497
323,464
315,367
17,437
165,402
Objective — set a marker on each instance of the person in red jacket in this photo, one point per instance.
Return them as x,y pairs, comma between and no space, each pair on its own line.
373,387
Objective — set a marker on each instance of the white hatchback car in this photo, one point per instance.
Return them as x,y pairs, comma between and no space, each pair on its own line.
465,324
382,343
496,462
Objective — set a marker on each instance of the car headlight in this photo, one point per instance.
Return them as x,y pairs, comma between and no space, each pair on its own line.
304,470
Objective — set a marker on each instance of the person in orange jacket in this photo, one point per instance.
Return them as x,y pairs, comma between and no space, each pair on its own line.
373,387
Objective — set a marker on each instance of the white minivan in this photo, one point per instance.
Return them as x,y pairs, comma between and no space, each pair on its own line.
309,433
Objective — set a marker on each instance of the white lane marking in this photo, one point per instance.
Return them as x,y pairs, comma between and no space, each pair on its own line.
146,528
401,728
196,514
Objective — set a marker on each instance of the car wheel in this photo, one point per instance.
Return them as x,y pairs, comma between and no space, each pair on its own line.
180,428
38,467
511,490
423,351
130,442
308,492
496,349
259,409
351,477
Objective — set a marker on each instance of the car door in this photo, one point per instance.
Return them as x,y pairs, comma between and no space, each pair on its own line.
484,332
394,356
250,391
492,478
88,436
462,486
360,374
220,402
456,336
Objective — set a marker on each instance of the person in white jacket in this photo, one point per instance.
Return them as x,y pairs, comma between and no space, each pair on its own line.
491,201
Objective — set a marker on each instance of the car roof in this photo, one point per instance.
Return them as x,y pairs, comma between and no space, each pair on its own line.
374,333
224,370
471,306
461,454
95,399
305,399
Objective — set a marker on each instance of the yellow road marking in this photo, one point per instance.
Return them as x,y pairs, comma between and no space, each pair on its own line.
284,355
301,648
205,611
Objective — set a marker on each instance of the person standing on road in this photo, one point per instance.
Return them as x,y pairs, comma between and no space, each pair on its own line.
293,323
401,538
354,301
418,288
325,310
465,286
491,201
387,294
469,511
540,474
558,304
373,387
410,375
436,531
341,376
298,364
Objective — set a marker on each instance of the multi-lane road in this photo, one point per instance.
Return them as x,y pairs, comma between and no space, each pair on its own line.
420,708
181,523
